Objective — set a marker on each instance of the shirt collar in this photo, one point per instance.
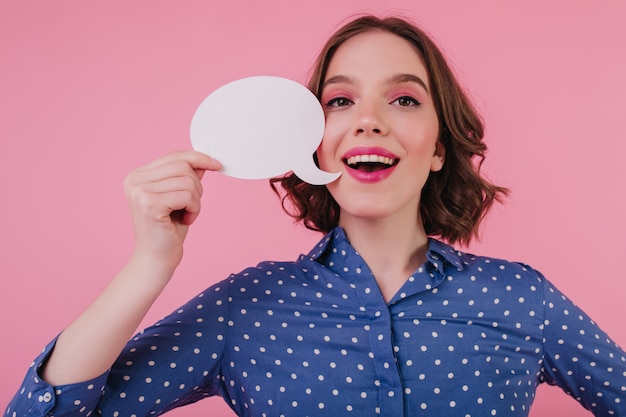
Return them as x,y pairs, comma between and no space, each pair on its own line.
439,253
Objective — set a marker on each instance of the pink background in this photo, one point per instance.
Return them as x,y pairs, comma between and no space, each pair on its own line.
89,91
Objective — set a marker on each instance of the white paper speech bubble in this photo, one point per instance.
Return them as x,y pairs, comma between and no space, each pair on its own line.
261,127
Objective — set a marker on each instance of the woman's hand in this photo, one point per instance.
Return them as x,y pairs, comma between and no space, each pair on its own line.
164,198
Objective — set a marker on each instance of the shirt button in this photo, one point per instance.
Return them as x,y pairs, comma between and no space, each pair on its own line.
47,397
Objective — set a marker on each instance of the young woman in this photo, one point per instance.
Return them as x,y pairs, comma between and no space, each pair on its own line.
380,318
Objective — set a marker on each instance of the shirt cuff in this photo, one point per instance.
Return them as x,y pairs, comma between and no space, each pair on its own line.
38,398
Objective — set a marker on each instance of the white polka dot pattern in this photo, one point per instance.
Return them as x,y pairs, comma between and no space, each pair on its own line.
465,336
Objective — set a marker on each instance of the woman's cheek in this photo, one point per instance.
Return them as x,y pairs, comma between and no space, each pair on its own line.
330,124
328,152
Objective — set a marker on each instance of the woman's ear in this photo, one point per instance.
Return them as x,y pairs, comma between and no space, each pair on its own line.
439,157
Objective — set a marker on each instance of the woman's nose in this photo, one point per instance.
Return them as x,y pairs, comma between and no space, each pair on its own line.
370,121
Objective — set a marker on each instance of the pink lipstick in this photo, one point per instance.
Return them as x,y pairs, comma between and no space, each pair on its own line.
369,164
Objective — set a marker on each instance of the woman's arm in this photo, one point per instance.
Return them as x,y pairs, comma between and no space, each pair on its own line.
164,198
581,358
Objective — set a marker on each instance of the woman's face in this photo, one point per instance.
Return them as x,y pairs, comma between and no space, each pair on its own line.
381,127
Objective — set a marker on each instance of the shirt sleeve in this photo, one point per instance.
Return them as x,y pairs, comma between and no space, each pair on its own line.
38,398
172,363
580,358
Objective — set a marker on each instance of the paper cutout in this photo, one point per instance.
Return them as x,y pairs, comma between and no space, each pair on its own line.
261,127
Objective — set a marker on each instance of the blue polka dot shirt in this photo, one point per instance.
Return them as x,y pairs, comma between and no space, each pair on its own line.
465,336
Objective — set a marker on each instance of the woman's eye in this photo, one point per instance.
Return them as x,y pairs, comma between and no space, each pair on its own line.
338,102
406,101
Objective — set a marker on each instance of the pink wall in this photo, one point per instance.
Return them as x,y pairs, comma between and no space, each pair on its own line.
89,91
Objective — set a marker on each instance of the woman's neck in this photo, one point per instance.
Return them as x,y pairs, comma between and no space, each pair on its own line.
391,248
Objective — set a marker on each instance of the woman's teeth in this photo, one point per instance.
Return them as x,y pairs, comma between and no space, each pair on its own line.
353,160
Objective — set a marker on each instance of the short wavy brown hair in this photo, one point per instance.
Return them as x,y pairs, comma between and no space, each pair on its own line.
455,199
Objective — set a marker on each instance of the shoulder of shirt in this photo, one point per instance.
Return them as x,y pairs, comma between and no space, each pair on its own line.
467,261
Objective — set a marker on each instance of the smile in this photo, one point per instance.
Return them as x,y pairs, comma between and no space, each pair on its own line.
370,163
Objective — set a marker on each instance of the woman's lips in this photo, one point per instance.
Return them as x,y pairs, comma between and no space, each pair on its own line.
370,164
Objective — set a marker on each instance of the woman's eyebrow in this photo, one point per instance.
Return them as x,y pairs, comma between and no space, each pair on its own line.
407,78
338,79
395,79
